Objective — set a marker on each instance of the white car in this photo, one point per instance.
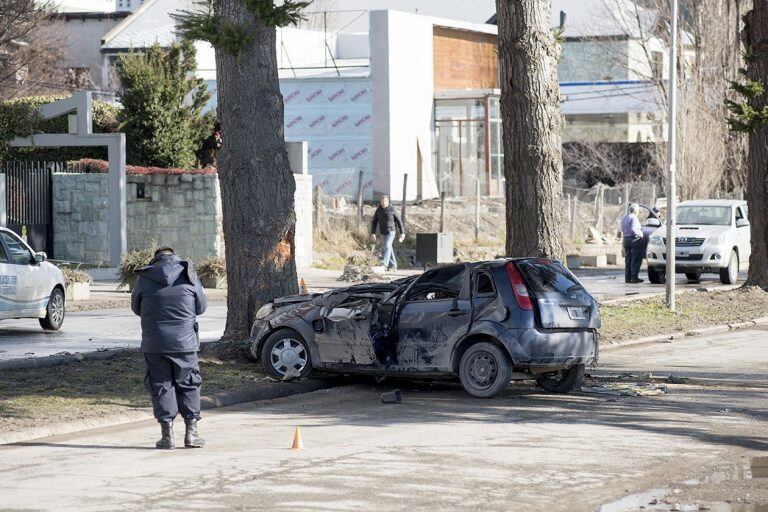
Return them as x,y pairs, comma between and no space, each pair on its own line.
711,236
30,286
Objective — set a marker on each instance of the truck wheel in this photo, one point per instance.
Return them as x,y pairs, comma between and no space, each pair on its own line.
693,277
563,381
655,276
285,355
730,274
485,370
54,315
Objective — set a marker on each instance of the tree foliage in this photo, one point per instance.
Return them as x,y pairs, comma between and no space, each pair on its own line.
162,106
745,117
205,25
20,117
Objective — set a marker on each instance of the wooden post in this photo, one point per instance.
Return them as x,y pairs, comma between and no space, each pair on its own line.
600,205
653,196
360,201
442,211
477,210
405,201
626,198
318,208
568,205
573,217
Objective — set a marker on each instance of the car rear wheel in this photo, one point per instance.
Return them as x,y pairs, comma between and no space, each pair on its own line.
730,274
655,276
563,381
54,316
285,355
694,277
485,370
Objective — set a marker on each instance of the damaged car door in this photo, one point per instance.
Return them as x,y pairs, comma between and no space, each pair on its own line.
344,336
435,313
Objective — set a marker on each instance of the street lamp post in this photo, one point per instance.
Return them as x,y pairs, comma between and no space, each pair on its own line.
671,153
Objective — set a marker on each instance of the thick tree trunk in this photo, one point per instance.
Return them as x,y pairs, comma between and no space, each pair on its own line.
257,185
756,40
533,126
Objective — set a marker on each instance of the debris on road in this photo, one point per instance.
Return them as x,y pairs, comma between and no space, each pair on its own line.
362,273
626,389
392,397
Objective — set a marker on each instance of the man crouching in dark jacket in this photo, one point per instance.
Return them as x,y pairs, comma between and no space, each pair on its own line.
168,296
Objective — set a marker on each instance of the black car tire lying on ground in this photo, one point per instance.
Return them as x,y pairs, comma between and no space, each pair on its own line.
485,370
286,338
564,381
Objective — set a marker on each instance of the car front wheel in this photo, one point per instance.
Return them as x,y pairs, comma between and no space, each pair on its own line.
655,276
54,315
730,274
285,355
563,381
485,370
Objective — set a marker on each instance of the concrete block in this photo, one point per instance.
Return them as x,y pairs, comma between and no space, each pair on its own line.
172,180
74,251
198,184
598,260
61,207
187,178
158,179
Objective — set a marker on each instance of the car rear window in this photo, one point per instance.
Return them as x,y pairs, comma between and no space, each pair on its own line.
545,275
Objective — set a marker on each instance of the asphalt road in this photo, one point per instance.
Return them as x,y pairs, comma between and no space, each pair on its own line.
113,328
438,450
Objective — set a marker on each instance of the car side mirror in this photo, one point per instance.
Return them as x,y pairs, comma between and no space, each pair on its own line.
742,223
40,257
653,222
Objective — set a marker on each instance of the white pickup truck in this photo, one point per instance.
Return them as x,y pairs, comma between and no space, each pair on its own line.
711,236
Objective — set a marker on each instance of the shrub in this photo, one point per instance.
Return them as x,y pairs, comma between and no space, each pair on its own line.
102,166
131,262
20,117
162,106
72,275
214,268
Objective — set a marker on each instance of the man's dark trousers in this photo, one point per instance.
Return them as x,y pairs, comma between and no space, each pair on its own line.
633,256
173,380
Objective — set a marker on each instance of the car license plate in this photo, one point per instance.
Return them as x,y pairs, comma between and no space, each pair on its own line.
577,313
681,254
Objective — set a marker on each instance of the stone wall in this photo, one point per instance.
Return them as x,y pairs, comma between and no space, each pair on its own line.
183,211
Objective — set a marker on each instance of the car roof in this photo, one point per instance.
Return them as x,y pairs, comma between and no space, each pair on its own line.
713,202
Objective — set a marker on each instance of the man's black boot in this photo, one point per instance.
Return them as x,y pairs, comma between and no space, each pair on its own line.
191,439
166,442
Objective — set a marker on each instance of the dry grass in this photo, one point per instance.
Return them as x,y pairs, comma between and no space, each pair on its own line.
89,389
649,317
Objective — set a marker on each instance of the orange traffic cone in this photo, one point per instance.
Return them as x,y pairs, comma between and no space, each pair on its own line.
303,286
298,443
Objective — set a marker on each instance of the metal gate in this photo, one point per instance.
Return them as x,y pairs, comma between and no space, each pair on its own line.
29,202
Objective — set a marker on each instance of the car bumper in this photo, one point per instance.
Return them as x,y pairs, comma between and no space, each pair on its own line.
535,348
705,258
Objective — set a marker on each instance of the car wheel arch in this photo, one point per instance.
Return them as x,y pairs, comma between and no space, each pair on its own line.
258,344
471,339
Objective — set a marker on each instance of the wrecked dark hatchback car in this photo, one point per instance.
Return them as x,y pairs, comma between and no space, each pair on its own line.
487,323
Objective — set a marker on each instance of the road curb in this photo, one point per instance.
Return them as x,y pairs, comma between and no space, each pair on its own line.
685,334
253,393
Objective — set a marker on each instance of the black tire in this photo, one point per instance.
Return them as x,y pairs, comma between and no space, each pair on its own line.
563,381
655,276
730,274
293,360
694,276
55,311
485,370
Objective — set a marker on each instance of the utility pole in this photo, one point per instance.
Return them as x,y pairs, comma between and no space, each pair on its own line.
671,154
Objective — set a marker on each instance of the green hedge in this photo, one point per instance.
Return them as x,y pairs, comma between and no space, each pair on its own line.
19,117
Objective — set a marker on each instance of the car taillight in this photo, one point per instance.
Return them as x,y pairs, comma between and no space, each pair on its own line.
518,286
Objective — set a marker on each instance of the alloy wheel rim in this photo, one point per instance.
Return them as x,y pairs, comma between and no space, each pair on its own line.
288,354
57,309
483,369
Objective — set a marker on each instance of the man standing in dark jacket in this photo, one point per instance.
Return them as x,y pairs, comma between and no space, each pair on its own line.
168,296
386,219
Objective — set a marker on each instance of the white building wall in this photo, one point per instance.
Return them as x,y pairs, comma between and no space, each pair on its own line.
403,92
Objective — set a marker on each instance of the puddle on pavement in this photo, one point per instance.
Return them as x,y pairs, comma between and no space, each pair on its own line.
663,499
